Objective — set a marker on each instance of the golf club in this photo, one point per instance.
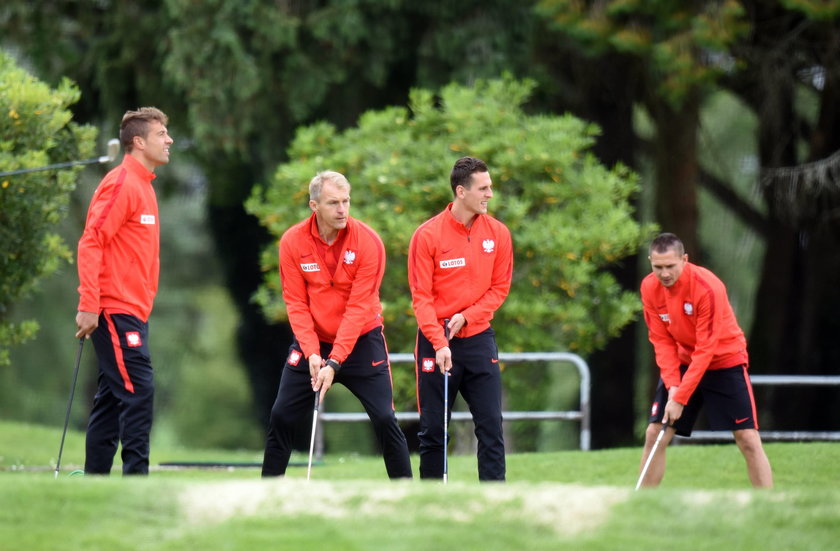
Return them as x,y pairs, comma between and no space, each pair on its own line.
113,150
446,411
312,437
69,404
650,455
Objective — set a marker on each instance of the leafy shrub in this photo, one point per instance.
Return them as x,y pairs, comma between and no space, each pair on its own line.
35,130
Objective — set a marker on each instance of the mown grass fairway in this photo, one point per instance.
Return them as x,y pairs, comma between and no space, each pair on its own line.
567,500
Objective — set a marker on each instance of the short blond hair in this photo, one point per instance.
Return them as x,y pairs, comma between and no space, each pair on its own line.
319,179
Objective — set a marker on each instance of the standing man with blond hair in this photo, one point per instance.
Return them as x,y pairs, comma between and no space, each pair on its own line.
702,357
460,265
331,267
118,264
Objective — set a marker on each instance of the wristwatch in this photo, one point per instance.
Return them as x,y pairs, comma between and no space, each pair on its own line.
333,364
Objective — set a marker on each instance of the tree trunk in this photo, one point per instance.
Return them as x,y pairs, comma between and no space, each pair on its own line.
610,104
239,241
677,172
796,322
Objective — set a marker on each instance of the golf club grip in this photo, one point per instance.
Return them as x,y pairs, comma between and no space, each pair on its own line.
446,329
317,400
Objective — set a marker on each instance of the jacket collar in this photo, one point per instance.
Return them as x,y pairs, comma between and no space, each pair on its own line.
312,228
683,281
136,167
454,223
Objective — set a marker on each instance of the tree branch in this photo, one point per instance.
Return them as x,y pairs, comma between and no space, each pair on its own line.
726,195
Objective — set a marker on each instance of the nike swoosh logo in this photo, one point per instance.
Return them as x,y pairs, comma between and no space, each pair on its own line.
494,360
739,421
305,255
445,251
380,362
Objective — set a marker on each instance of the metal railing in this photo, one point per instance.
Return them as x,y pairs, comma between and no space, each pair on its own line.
787,380
583,414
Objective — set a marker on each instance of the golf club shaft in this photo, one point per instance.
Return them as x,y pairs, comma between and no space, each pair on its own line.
69,404
650,455
113,150
312,437
446,411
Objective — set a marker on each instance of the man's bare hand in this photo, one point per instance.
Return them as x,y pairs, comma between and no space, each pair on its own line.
443,359
324,380
87,322
457,323
673,411
315,364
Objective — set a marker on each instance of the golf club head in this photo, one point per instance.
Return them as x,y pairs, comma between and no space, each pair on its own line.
113,151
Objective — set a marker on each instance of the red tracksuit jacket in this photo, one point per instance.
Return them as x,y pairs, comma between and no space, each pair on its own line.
331,308
452,268
691,323
119,251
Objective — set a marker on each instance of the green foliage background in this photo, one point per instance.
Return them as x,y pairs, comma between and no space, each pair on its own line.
674,38
35,130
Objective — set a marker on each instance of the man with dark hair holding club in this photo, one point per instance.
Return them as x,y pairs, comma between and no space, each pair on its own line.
118,278
702,357
460,264
331,266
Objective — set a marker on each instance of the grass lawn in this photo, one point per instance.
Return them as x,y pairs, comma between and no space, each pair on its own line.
566,500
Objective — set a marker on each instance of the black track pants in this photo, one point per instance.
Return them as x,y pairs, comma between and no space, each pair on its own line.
122,407
475,375
367,374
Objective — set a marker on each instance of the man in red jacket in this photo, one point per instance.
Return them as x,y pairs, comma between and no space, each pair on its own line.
702,357
331,266
460,264
118,268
